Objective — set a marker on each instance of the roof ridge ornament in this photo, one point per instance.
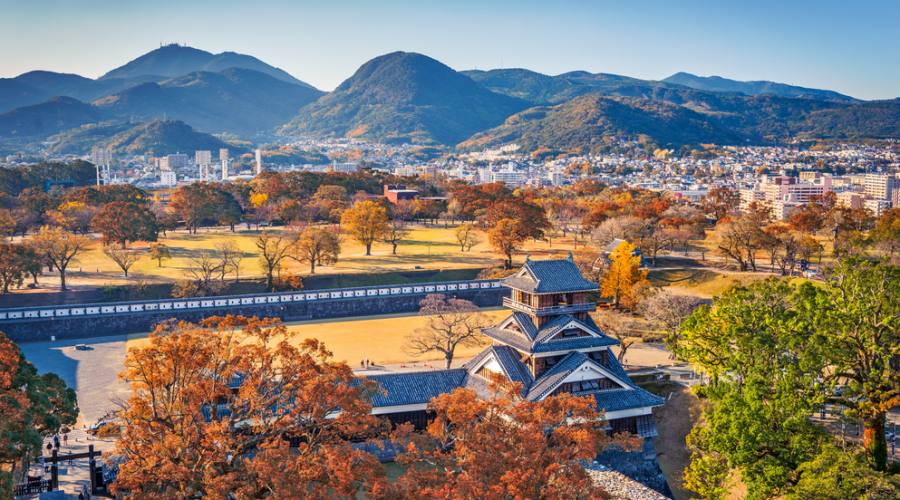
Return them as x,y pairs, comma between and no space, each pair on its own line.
571,256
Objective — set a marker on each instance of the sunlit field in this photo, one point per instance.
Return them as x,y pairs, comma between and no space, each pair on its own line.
380,339
425,247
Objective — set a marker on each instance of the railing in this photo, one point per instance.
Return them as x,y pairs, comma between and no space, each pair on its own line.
31,488
548,310
199,303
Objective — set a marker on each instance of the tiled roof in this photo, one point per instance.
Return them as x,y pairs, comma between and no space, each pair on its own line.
529,340
624,399
574,343
512,365
508,359
416,387
551,377
550,276
524,322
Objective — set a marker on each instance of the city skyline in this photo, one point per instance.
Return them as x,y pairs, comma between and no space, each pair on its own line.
821,45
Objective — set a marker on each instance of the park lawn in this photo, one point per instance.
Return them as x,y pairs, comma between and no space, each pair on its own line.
425,247
381,339
703,283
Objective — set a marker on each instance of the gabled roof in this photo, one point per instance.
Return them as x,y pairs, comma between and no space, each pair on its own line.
549,276
416,387
508,359
532,340
551,379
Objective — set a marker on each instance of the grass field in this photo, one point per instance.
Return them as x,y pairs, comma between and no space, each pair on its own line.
426,247
381,339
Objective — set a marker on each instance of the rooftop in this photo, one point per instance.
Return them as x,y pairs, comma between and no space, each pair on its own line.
550,276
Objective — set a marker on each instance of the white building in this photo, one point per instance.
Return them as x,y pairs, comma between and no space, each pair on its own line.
167,178
259,161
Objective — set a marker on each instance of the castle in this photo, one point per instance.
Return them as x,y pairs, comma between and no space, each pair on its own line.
548,343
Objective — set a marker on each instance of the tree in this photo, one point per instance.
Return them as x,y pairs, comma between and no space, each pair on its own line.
621,327
231,257
721,201
273,249
12,266
33,407
886,233
366,222
506,237
394,232
741,236
857,317
452,323
122,222
75,216
239,407
123,258
765,361
205,266
317,245
668,310
466,236
835,474
60,248
625,277
159,252
505,447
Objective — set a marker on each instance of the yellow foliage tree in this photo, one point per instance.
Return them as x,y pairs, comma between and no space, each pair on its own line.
625,276
366,222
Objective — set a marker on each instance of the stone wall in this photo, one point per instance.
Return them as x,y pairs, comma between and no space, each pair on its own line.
139,322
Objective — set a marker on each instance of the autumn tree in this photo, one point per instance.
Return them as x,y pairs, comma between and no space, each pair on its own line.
668,311
886,233
505,447
122,222
60,248
721,201
230,258
452,323
366,222
204,267
33,407
317,246
273,249
12,266
240,407
620,326
123,258
75,216
507,237
466,236
625,278
394,232
740,237
159,252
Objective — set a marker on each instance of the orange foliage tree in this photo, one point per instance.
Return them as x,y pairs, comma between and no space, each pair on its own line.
215,408
505,447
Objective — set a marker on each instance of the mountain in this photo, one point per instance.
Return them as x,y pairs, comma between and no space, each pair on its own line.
161,137
585,124
539,88
50,117
683,118
719,84
38,86
405,96
239,101
176,60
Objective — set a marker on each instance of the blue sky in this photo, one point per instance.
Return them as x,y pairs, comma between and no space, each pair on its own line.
849,46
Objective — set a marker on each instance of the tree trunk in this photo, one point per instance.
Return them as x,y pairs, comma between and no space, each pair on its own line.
448,357
312,266
368,249
874,441
394,249
62,280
